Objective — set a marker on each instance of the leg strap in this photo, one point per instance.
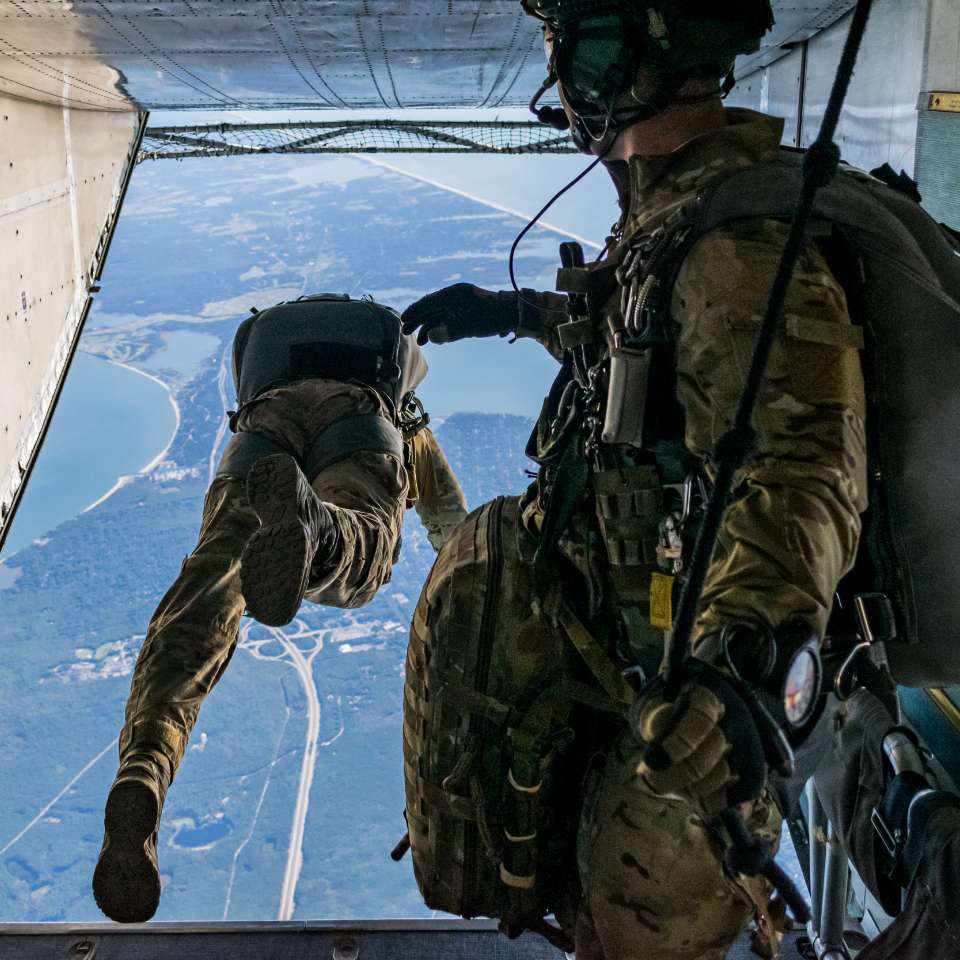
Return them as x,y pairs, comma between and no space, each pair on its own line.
363,433
244,450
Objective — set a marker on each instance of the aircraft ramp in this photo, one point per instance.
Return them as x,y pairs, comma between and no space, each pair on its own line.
380,940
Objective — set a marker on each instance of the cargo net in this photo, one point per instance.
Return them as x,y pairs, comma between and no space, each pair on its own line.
352,136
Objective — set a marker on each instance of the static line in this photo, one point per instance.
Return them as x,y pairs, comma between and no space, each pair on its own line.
46,809
470,196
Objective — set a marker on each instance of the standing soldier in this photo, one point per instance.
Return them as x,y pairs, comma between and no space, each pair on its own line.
648,387
330,446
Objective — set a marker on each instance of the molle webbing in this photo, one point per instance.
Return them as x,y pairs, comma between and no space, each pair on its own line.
364,433
629,509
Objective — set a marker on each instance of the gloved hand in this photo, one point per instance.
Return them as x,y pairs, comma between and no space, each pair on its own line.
705,747
460,311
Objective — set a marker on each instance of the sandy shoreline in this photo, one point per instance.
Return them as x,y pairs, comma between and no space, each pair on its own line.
128,478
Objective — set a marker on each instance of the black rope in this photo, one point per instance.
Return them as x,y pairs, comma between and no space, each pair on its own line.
749,855
820,165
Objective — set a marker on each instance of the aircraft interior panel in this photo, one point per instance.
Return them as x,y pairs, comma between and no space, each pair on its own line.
56,209
314,53
880,118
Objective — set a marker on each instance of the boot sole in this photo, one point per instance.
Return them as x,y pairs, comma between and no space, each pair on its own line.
126,881
275,566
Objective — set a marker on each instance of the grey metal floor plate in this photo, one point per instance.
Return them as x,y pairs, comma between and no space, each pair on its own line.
429,940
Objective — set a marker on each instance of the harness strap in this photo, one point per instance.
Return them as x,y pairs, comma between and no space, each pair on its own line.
601,666
244,450
363,433
569,488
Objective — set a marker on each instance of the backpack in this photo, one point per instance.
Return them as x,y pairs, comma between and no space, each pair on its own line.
326,336
901,273
498,718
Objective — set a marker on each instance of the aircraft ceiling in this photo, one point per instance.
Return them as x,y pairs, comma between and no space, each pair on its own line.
270,54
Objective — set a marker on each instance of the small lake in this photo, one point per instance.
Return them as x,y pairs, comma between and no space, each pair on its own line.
109,422
204,835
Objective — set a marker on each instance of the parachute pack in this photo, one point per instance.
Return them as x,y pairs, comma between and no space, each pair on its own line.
326,336
901,273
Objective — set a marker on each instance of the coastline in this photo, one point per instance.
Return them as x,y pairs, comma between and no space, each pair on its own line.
128,478
500,208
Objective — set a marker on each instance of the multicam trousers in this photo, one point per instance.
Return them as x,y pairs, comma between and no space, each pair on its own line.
194,631
655,887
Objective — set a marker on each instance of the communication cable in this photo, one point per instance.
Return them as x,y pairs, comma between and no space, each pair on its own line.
536,220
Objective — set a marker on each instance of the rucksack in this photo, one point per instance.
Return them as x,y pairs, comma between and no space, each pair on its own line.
901,273
327,336
498,718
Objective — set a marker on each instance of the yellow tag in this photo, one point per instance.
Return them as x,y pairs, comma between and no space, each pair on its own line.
945,102
661,601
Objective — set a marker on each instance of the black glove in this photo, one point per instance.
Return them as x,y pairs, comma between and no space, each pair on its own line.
460,311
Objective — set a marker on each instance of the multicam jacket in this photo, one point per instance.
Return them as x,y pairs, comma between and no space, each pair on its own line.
791,530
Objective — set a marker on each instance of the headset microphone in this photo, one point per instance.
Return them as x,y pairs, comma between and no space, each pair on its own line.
554,117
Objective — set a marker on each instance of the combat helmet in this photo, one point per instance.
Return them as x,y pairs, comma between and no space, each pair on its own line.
599,45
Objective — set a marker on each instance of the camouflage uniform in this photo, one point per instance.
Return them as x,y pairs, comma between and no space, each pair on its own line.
789,534
654,884
194,631
792,528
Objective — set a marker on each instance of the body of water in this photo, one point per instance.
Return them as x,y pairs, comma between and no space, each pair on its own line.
110,421
184,352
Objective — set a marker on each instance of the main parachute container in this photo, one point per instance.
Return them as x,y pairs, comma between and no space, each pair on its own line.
905,291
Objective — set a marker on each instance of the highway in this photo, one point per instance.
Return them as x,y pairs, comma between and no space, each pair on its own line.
302,662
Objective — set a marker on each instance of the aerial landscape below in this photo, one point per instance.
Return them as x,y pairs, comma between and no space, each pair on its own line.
291,796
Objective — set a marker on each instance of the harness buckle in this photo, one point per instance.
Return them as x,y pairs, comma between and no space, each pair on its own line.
867,663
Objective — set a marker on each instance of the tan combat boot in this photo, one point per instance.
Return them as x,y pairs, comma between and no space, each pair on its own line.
126,881
297,535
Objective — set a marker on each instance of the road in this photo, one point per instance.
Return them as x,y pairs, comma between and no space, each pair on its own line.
302,662
224,424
